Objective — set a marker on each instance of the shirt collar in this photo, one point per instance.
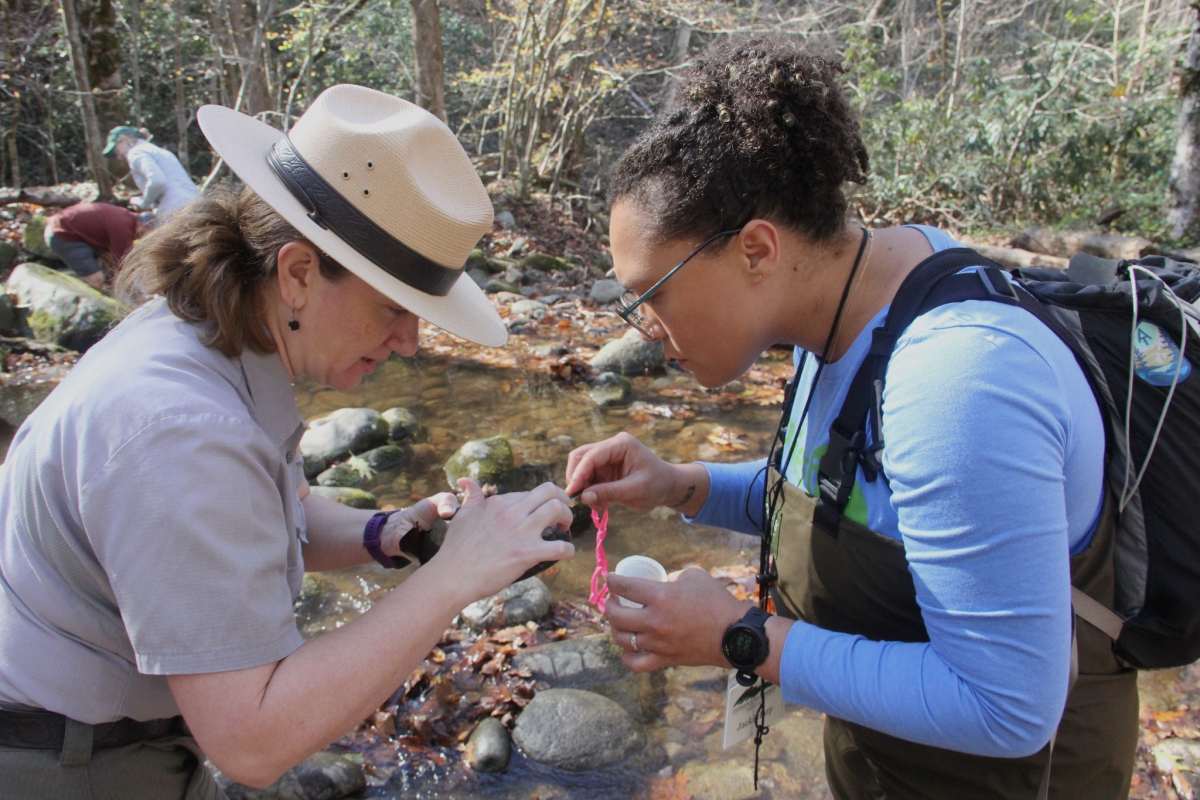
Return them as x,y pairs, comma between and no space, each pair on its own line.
273,404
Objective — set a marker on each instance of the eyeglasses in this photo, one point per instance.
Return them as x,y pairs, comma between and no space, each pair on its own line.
630,300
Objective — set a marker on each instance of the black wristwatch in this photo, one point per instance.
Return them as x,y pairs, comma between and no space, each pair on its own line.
746,646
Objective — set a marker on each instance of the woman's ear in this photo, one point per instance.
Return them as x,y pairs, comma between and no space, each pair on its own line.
299,268
759,243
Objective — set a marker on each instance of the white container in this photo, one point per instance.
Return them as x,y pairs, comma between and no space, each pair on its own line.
639,567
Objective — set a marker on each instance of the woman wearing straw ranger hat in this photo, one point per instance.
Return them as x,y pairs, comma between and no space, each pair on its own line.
154,520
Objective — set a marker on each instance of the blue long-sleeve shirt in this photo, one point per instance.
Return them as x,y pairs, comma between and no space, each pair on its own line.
994,461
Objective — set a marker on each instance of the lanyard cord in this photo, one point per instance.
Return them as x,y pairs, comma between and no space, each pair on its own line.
771,493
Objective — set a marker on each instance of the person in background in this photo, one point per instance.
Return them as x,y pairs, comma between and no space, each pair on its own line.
155,524
85,234
933,624
165,185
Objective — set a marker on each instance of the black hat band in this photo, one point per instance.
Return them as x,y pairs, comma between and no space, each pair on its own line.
334,213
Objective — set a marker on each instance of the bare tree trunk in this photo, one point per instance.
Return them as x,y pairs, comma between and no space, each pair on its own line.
1183,219
247,39
10,135
431,71
183,115
91,124
133,21
679,54
97,25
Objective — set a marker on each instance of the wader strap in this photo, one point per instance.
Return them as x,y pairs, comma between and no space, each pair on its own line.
1102,618
77,744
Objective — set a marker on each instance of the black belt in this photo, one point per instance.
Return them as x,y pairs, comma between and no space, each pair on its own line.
36,729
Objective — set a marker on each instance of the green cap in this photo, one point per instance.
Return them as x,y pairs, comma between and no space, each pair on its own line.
117,133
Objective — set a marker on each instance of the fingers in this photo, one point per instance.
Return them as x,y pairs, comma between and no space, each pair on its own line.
472,494
636,590
425,513
447,504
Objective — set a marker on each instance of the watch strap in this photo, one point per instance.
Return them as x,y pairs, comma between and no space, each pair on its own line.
371,539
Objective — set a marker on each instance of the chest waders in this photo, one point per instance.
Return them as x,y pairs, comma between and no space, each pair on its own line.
854,580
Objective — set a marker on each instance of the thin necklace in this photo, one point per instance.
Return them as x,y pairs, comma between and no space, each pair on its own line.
858,281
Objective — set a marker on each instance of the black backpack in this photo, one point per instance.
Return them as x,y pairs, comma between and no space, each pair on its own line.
1153,452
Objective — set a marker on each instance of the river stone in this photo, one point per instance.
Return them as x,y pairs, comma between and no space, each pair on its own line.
476,259
63,310
490,746
522,602
534,309
10,320
321,776
345,431
630,355
8,256
506,219
313,465
483,461
480,277
610,389
402,424
35,239
514,276
594,662
578,730
606,291
496,285
355,498
341,475
498,265
388,457
545,262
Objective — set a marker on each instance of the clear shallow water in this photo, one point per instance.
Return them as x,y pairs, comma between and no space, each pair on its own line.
457,400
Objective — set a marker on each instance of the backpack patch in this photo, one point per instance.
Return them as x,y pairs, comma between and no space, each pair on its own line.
1157,357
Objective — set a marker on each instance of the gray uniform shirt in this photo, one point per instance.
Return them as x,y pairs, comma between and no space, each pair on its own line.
150,524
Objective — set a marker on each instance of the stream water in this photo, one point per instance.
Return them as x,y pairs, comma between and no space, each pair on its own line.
457,400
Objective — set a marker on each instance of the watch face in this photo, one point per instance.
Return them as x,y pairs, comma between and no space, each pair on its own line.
742,646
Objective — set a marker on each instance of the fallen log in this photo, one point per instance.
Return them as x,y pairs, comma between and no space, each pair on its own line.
1065,244
44,199
1017,259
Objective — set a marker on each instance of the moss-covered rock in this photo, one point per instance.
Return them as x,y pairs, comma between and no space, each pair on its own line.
8,256
63,310
402,424
390,456
483,461
476,260
35,239
341,475
545,262
355,498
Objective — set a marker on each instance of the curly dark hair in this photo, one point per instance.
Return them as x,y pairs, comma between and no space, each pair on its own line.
760,130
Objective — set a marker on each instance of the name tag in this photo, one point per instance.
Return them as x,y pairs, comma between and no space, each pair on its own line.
742,704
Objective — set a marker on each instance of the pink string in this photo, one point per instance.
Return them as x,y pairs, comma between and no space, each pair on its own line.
599,596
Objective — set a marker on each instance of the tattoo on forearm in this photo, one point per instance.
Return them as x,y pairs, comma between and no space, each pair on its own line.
687,496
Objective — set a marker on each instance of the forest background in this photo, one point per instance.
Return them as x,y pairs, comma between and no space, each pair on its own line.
978,114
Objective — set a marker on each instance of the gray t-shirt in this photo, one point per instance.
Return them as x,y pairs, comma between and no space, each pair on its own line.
150,524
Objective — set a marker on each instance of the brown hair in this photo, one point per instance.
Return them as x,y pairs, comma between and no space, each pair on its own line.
761,129
212,261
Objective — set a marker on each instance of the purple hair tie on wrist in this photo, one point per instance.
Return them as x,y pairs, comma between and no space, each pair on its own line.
371,536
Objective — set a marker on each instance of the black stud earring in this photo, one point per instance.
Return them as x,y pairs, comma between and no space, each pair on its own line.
293,323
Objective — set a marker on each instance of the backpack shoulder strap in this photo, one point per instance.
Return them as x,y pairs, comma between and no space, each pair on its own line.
931,283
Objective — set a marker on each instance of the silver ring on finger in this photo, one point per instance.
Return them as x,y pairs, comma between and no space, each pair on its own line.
633,642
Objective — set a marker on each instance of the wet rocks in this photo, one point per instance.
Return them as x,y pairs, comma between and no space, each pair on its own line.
390,456
490,746
532,309
477,259
483,461
63,310
8,256
341,475
579,730
610,389
594,663
35,239
630,355
546,262
606,291
355,498
497,285
345,431
313,465
322,776
522,602
402,424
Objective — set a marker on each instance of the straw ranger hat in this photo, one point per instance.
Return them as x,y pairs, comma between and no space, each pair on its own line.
384,188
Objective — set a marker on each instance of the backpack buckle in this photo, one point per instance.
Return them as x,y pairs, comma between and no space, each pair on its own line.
996,285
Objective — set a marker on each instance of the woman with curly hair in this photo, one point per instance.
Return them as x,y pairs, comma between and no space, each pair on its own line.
933,623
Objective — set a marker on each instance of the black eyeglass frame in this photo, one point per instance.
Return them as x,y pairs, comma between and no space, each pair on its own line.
630,300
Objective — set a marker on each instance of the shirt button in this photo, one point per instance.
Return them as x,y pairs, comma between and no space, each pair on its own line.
289,456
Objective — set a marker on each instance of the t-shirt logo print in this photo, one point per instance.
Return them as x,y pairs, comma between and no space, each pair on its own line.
1157,356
